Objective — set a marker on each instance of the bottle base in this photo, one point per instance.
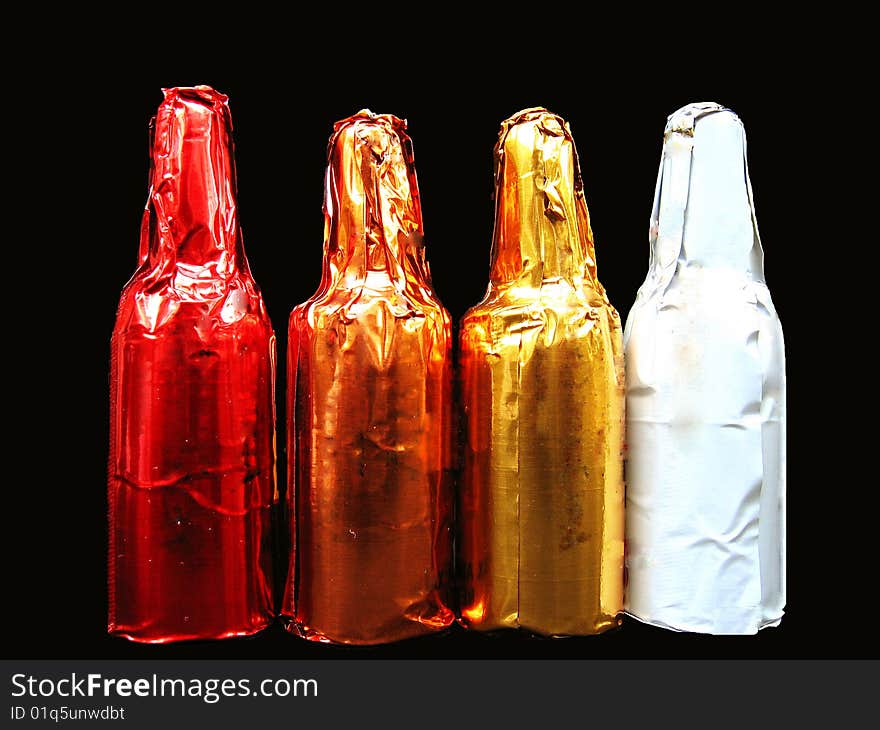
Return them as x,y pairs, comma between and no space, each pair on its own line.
506,627
140,638
688,628
412,630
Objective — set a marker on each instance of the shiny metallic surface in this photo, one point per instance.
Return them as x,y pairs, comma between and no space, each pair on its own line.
369,408
705,396
192,416
541,520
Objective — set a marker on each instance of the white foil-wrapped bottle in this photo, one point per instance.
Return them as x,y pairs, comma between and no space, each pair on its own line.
705,383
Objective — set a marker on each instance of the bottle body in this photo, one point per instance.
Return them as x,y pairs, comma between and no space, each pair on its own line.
191,491
705,398
541,519
192,474
372,496
369,412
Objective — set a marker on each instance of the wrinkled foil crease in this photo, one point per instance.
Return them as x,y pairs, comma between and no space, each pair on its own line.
705,397
192,420
369,408
541,521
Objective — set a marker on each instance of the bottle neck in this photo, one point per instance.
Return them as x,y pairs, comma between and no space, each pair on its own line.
191,221
542,226
372,215
703,211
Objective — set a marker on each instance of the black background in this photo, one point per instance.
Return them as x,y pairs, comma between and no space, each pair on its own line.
85,185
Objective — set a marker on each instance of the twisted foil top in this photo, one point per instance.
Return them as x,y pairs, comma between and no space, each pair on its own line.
542,226
704,212
684,120
372,214
191,248
191,217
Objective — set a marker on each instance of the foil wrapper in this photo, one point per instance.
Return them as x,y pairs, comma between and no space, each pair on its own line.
541,520
705,519
369,408
192,415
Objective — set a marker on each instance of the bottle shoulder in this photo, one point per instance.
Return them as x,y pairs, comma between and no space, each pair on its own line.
553,296
704,310
153,301
701,284
366,310
355,301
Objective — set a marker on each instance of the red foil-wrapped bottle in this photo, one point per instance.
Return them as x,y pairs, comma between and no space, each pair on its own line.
369,408
192,416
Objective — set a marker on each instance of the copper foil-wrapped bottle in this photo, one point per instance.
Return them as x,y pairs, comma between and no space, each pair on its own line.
369,408
192,416
542,389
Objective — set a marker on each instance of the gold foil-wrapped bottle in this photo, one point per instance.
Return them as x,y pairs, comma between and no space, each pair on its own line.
369,408
542,388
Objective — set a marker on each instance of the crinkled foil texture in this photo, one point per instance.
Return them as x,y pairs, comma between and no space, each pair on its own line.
369,408
192,461
541,520
705,397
